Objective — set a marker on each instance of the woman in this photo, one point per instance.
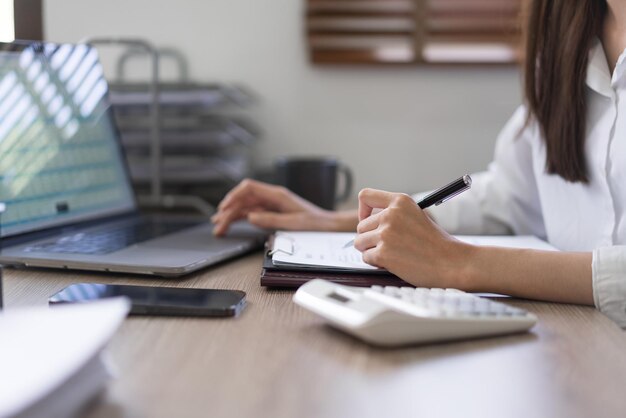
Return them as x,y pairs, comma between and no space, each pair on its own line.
559,173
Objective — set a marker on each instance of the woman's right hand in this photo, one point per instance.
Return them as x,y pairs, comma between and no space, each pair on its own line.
275,207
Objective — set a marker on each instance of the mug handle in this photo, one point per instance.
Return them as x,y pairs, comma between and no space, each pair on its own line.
349,181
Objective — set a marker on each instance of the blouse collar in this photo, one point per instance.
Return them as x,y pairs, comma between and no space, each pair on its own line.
599,76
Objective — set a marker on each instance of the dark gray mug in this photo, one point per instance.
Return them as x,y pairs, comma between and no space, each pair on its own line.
315,179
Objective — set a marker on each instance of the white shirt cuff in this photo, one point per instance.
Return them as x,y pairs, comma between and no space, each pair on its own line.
609,282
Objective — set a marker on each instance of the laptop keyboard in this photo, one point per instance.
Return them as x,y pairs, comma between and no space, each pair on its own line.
110,240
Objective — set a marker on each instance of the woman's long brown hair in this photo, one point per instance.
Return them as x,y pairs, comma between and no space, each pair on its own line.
559,35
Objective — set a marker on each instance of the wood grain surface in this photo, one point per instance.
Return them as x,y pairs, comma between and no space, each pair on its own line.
278,360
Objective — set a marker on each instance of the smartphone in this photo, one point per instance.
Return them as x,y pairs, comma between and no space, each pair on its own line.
149,300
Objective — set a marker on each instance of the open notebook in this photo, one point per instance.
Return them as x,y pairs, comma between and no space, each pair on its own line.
328,251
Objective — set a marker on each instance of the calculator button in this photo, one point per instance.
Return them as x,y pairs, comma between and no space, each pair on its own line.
437,302
390,290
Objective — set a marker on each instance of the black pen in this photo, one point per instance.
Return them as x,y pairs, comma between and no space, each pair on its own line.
441,195
447,192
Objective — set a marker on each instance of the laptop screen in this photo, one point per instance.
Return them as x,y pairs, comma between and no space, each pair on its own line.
60,157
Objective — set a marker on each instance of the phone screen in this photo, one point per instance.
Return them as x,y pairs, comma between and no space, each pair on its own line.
148,300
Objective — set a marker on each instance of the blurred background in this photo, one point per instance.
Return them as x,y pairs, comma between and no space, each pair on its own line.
408,93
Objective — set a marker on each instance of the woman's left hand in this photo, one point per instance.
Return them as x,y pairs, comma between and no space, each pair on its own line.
401,238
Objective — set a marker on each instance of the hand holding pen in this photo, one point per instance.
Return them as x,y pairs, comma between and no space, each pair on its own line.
404,240
436,198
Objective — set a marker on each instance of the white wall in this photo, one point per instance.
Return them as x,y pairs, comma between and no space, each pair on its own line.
403,129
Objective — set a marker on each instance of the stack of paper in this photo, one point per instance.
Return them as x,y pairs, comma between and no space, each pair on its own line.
51,359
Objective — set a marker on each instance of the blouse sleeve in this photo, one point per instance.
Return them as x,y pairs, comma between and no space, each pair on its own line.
504,199
609,282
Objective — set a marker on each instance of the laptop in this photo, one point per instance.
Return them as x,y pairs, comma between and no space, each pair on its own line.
64,180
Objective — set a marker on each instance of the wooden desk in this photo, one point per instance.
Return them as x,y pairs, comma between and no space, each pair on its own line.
278,360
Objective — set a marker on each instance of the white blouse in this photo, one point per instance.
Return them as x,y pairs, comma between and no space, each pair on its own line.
516,194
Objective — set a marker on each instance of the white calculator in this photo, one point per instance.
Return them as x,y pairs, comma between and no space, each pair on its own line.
390,315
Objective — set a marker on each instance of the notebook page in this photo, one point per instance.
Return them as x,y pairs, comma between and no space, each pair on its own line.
318,249
326,249
509,241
